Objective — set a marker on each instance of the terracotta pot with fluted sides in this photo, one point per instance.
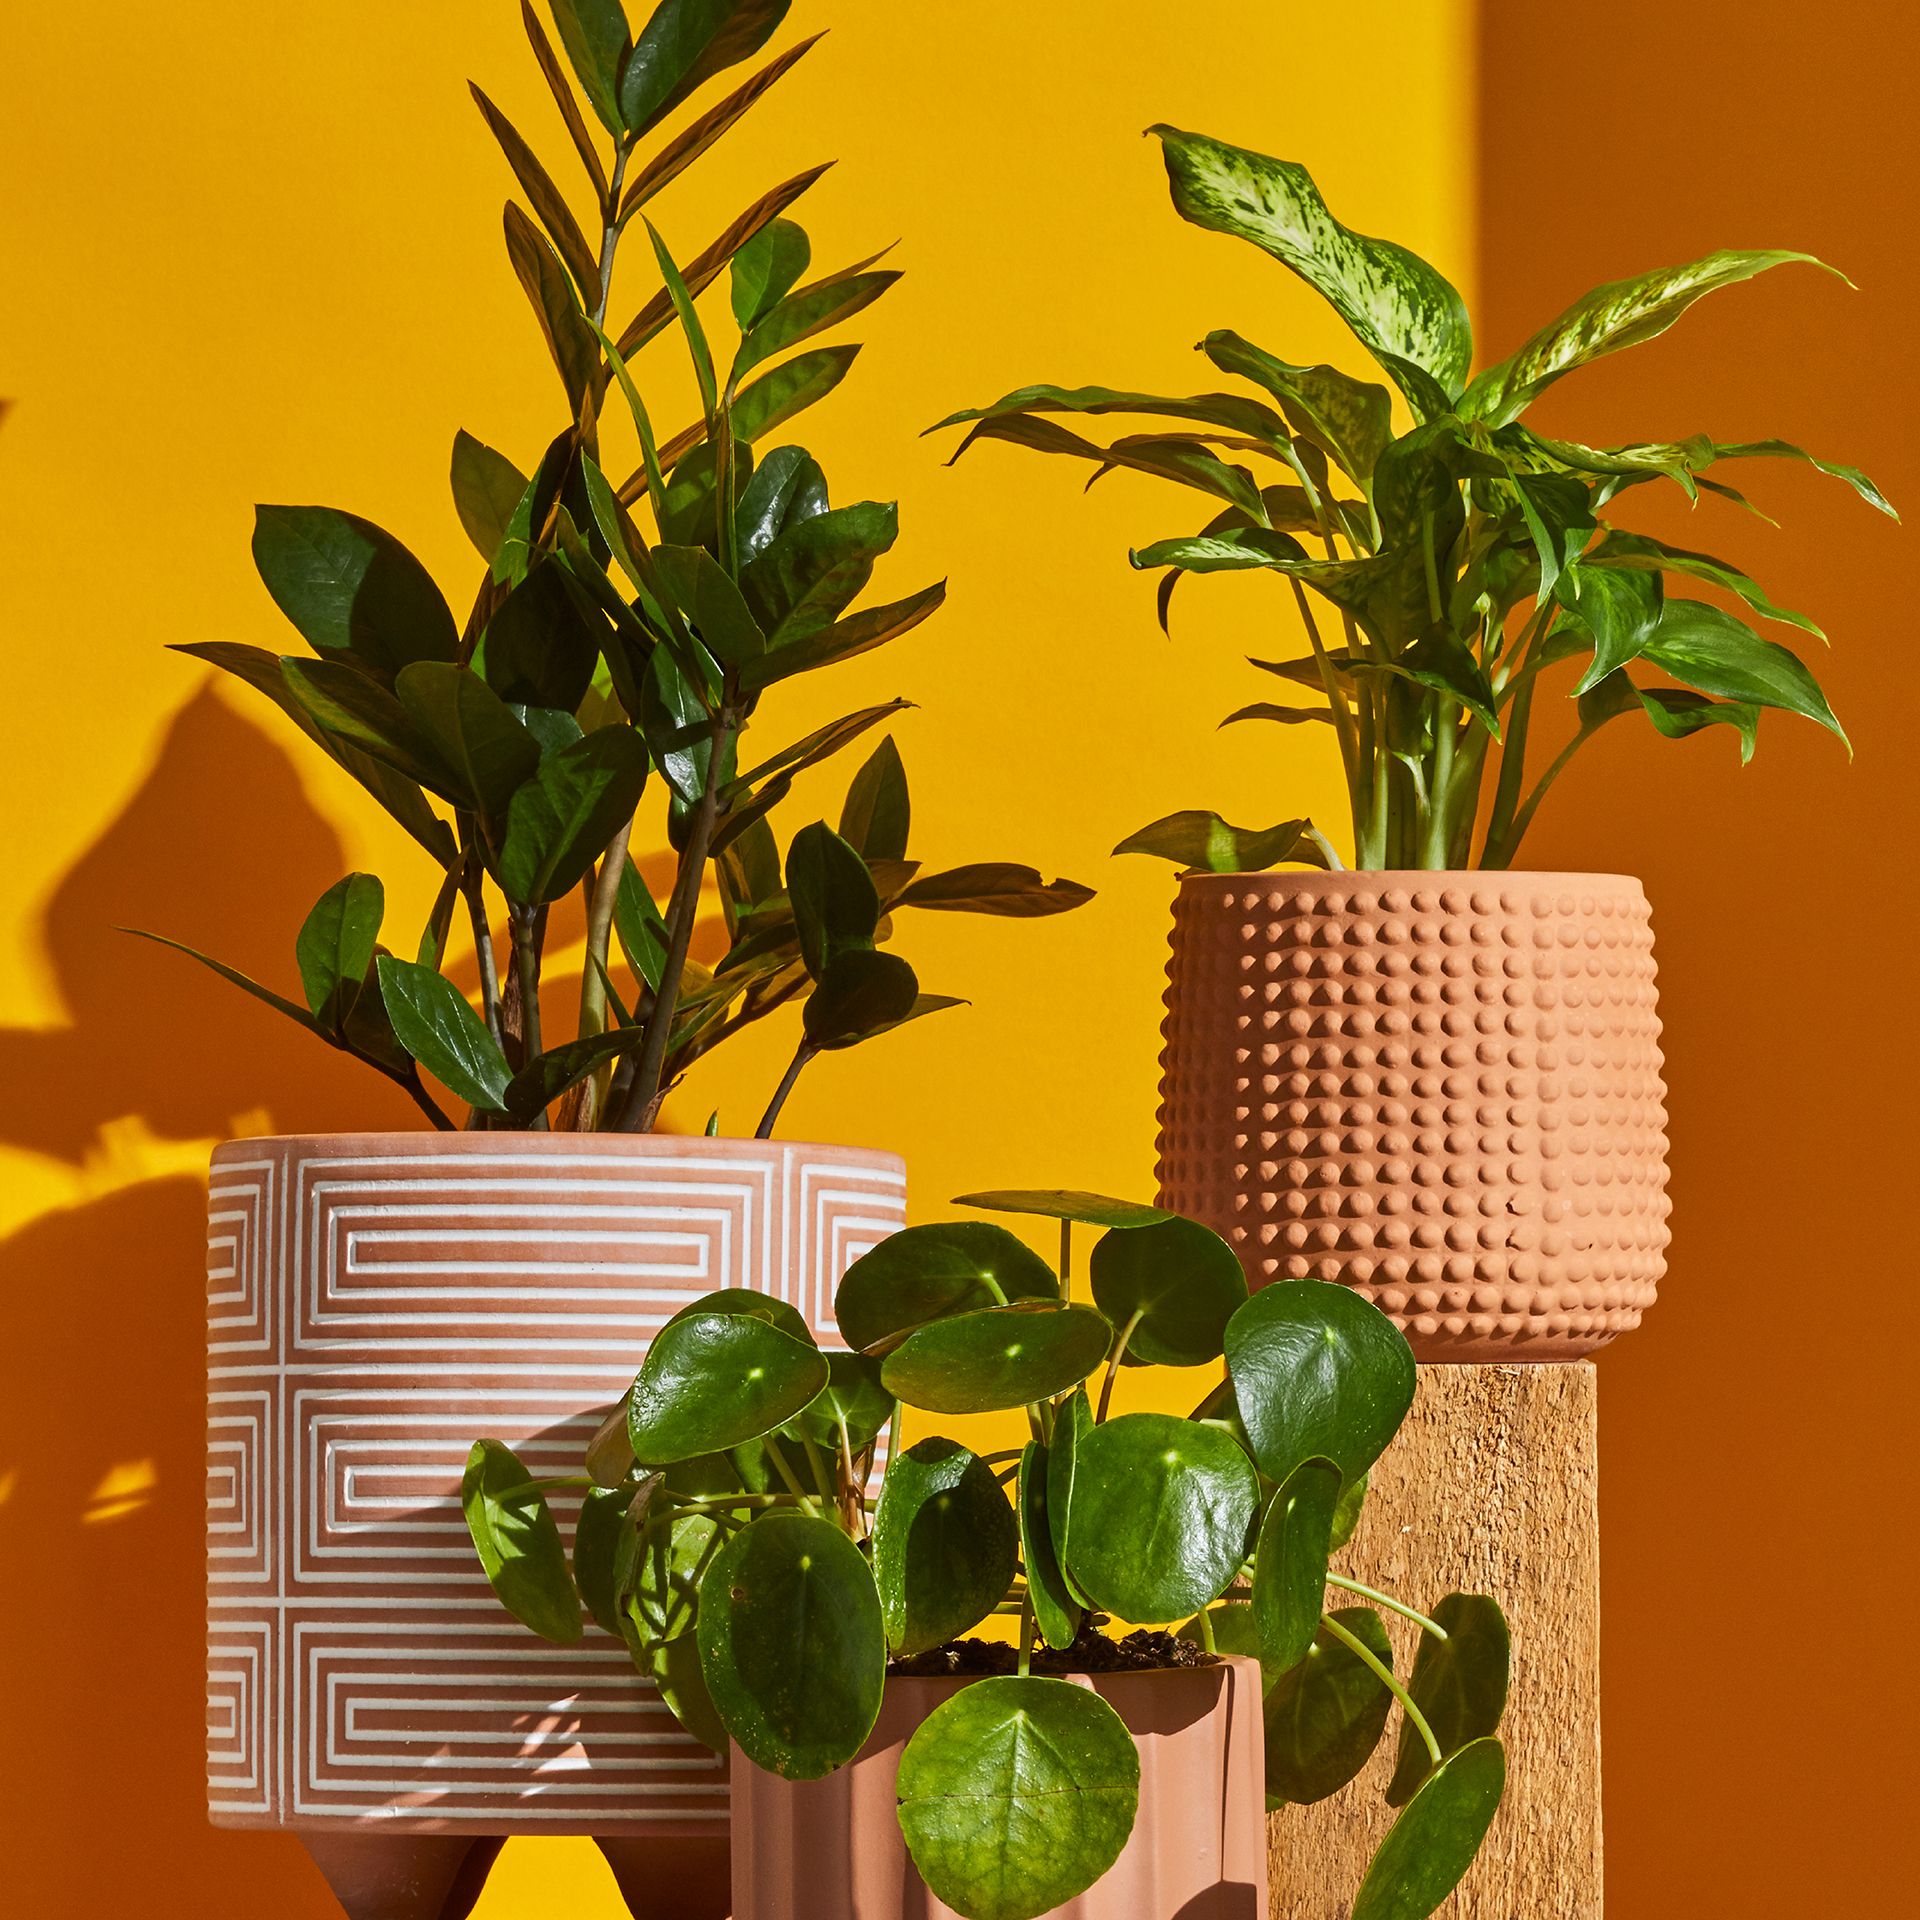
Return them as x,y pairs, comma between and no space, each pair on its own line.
375,1304
1442,1089
832,1849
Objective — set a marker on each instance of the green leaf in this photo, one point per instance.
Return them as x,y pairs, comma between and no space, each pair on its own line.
789,389
997,1357
558,1069
683,45
1233,1629
1086,1209
1181,1279
932,1272
860,993
594,33
1677,715
518,1543
1346,1515
1709,650
1640,551
1016,1795
540,649
1055,1611
766,269
356,710
432,1020
607,1547
1349,420
792,1645
1620,314
1459,1684
1290,1564
1202,842
810,310
853,1405
1398,307
835,906
1161,1508
945,1545
234,978
1283,716
786,488
349,587
877,811
1326,1716
681,296
1231,550
1786,450
487,487
546,200
569,334
1319,1372
560,821
1618,609
1072,1423
335,946
714,1380
858,633
641,928
995,887
481,753
706,594
1430,1847
674,1667
1229,410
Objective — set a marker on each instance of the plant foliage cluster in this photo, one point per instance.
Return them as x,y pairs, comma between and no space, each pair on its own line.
601,667
726,1534
1457,562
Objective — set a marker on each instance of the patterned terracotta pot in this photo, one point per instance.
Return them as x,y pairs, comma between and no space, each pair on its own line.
1442,1089
377,1302
832,1849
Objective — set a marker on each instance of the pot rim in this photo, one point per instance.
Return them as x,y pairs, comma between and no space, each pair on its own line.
1311,877
1112,1674
510,1144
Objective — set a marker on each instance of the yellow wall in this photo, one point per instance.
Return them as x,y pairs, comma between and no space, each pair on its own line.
253,253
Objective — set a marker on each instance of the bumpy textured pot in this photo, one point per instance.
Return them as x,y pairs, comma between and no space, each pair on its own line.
832,1849
1442,1089
377,1302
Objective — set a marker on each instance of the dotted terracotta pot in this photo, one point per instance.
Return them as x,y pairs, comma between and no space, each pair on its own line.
375,1304
1441,1089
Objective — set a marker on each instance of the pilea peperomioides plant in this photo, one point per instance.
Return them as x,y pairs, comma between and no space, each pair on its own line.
726,1533
602,669
1458,561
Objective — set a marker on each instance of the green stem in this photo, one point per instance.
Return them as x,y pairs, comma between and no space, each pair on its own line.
1440,784
1400,1607
1113,1359
1415,1717
1026,1634
1513,765
817,1464
1204,1620
777,1455
1066,1259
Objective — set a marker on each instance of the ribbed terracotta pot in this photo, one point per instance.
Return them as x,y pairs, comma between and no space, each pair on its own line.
832,1849
377,1302
1441,1089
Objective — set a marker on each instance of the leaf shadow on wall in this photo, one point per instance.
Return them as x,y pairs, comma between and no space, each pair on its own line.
102,1370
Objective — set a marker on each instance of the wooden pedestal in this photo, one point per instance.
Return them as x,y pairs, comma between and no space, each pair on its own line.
1491,1487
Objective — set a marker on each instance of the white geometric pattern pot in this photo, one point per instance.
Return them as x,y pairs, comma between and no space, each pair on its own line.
375,1303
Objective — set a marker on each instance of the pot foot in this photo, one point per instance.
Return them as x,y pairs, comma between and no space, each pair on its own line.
403,1876
672,1877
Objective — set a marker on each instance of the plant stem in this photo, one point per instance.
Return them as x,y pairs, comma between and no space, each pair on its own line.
474,887
1506,793
1204,1620
1439,786
1026,1633
425,1101
801,1055
1385,1673
777,1455
527,966
817,1463
1113,1360
1066,1259
1400,1607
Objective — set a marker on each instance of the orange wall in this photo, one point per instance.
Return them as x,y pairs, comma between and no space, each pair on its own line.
1759,1431
253,253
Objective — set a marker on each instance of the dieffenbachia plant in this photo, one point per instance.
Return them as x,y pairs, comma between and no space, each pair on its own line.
1457,561
602,668
725,1533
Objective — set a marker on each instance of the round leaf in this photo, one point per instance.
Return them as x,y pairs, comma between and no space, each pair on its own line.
674,1667
1459,1683
1325,1718
792,1646
714,1380
1017,1794
1318,1372
1429,1848
518,1543
665,1599
1000,1357
1160,1513
606,1548
1290,1564
1183,1280
1233,1629
751,1302
945,1545
859,993
927,1273
853,1402
1346,1516
1087,1209
1055,1611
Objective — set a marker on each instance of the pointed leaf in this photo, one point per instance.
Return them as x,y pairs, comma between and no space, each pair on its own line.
1349,420
877,810
704,591
560,821
683,45
545,198
767,268
1704,648
435,1024
569,334
1203,842
813,309
1639,551
336,942
857,633
1677,715
995,887
860,994
234,978
594,33
480,751
518,1543
487,487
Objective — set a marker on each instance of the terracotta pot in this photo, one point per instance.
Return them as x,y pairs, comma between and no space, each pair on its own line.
1442,1089
832,1849
377,1302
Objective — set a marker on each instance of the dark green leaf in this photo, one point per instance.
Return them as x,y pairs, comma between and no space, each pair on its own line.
860,993
1678,714
835,905
1432,1844
569,334
1055,1611
335,946
853,1406
487,488
432,1020
1013,892
858,633
594,33
1618,608
945,1545
875,817
1326,1716
558,1069
356,710
1704,648
540,649
234,978
1346,1516
1088,1209
1161,1508
351,588
932,1272
790,388
606,1547
1205,843
560,821
1233,1629
1182,1281
563,98
766,269
1290,1564
674,1667
681,297
713,1380
1072,1423
813,309
997,1357
518,1544
1319,1372
480,753
787,487
546,200
641,928
1016,1795
750,1303
683,45
1350,420
1459,1684
705,593
792,1645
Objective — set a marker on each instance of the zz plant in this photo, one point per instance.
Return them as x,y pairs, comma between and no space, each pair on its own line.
602,669
1458,561
726,1534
